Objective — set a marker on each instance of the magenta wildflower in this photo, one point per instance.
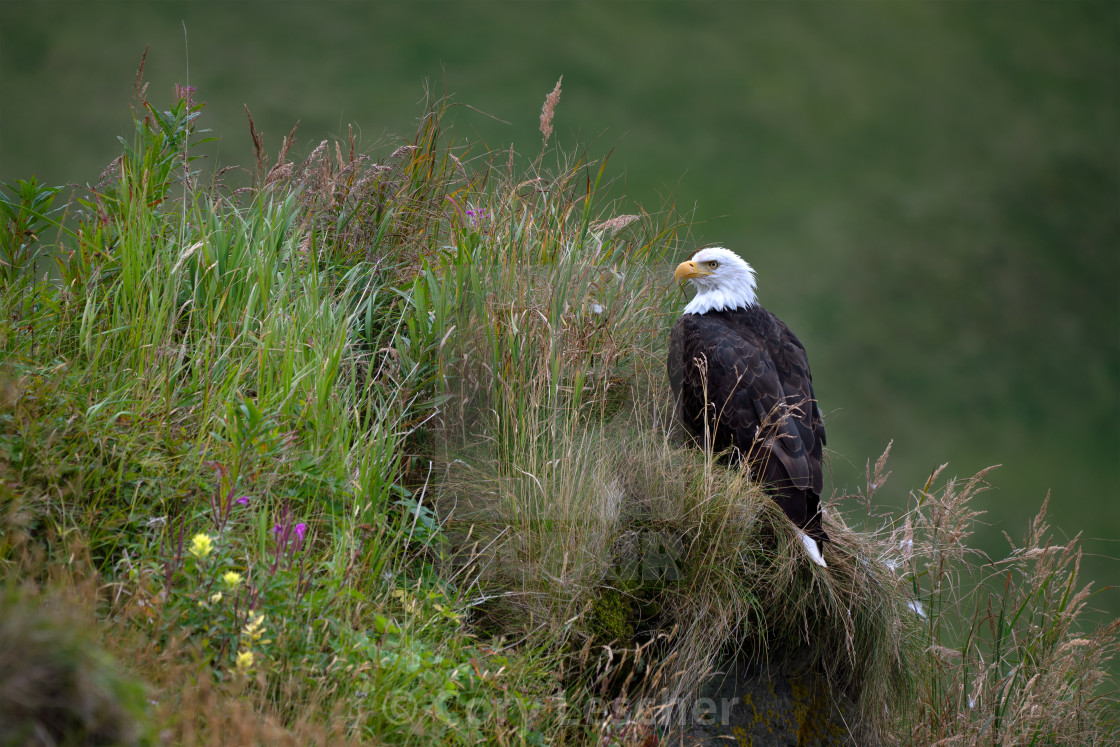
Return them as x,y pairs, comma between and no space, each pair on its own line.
297,543
243,500
288,536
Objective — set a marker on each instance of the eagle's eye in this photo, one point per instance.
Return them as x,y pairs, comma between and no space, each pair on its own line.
713,264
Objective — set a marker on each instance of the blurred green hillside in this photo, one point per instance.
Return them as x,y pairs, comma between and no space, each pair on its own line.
930,192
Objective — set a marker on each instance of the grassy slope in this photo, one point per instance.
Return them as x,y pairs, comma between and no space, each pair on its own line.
948,169
228,418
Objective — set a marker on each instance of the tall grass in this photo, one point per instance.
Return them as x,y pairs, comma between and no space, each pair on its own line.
206,394
1010,660
578,520
380,450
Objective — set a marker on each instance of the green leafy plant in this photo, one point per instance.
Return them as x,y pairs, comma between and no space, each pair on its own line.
25,211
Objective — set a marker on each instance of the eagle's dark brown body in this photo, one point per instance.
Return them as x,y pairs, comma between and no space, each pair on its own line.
759,405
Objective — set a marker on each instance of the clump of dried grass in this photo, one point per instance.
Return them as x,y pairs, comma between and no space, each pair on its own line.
194,709
710,565
1010,658
1007,656
357,209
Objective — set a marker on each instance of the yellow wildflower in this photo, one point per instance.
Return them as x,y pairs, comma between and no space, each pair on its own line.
231,578
254,629
215,597
201,545
244,662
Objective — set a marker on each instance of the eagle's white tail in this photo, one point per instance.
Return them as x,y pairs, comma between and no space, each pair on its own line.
813,548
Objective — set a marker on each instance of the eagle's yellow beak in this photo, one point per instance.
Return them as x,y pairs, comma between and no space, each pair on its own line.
689,270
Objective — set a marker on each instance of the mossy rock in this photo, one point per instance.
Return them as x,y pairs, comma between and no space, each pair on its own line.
612,618
753,705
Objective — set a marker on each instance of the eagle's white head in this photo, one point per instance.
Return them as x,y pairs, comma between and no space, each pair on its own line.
723,281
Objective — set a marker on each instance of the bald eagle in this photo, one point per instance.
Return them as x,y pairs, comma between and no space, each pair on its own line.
742,386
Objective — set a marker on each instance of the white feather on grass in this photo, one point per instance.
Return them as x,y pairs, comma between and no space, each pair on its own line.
813,549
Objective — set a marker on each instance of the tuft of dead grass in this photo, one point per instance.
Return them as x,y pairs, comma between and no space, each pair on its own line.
1009,658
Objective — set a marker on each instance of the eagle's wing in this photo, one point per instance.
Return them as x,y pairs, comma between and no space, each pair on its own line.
791,365
760,396
690,351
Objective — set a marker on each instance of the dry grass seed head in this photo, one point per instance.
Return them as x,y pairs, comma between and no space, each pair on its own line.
548,111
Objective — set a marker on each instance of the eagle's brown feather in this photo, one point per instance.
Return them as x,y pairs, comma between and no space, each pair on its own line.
741,380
